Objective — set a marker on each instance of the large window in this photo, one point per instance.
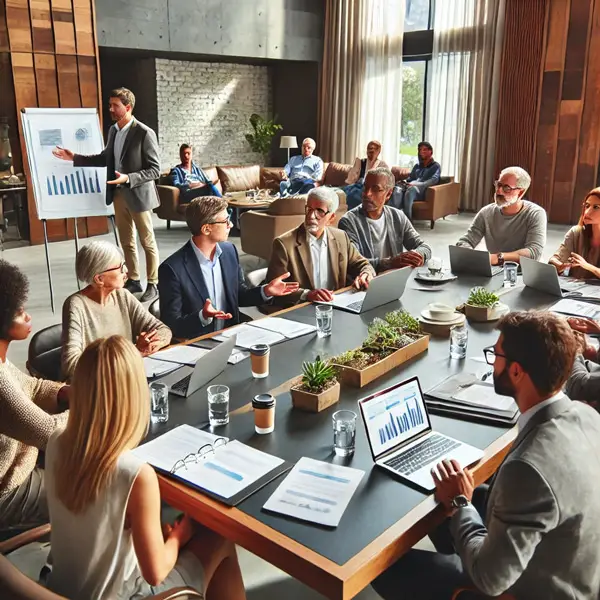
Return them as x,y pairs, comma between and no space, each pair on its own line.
413,104
416,17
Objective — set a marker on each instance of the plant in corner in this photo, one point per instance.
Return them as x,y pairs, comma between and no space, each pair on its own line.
264,130
481,297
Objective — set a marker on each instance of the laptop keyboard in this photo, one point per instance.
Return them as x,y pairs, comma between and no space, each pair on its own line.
422,454
355,305
182,384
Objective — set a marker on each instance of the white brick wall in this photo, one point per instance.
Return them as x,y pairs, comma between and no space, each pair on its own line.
208,106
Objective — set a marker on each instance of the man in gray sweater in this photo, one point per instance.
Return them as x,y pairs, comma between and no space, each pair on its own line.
381,233
512,227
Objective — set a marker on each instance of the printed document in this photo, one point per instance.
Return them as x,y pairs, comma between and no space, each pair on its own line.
576,308
248,336
315,491
183,355
290,329
484,396
157,368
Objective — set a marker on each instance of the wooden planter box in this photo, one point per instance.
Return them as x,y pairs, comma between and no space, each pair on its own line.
315,402
361,377
479,313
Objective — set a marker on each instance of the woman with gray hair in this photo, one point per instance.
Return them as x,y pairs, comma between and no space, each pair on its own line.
104,307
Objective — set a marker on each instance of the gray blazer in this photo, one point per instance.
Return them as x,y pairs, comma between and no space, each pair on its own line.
139,160
541,538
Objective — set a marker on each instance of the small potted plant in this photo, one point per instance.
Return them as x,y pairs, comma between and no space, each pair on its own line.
318,388
391,342
481,304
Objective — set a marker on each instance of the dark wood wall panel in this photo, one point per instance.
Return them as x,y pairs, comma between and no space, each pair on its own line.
519,83
48,58
560,147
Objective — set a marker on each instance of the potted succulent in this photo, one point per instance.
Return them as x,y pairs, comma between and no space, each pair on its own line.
391,341
481,305
318,389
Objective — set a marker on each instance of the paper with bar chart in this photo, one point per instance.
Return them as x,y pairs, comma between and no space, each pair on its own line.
395,416
60,189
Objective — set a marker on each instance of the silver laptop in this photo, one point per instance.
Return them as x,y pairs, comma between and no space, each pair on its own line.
401,438
187,380
475,262
544,277
382,289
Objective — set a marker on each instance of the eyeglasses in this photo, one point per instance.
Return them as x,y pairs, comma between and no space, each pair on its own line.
319,212
121,268
227,221
491,354
507,189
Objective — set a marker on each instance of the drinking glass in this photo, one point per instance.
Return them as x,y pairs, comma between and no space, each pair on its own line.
435,266
458,341
159,402
218,405
324,314
344,432
510,274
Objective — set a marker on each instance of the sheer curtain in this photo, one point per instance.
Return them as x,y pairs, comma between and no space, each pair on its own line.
381,99
361,79
462,94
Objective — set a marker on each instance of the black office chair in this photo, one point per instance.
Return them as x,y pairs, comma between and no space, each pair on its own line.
43,357
154,308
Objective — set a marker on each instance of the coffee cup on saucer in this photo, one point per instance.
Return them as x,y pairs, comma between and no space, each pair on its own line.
441,312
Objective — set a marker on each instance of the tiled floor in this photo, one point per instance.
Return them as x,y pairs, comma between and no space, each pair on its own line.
263,581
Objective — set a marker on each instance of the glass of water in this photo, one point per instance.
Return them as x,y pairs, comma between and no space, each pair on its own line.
324,314
458,341
435,266
344,432
510,274
159,402
218,405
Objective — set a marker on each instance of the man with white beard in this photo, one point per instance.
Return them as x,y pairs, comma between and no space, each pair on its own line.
511,227
319,257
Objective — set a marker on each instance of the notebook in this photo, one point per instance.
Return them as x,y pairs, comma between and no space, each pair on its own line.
223,469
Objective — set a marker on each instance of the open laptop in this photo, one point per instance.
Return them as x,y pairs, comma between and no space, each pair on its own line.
544,277
474,262
401,438
187,380
382,289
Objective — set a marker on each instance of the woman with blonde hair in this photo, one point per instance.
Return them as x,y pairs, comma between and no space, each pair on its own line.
104,502
104,307
579,254
356,176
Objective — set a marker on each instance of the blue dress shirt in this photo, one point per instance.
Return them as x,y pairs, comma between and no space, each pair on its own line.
300,167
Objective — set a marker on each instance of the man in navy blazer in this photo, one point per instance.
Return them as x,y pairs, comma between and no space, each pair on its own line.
202,285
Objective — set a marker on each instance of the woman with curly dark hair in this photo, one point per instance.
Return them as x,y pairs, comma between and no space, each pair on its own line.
29,410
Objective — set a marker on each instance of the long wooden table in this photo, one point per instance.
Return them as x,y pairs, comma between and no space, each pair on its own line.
385,517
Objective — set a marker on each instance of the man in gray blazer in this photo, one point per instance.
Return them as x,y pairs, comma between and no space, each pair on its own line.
132,164
535,531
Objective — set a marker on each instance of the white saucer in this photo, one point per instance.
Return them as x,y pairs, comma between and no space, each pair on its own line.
455,320
443,277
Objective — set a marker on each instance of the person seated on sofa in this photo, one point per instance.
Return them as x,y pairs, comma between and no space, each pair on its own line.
105,307
202,283
190,179
511,227
423,175
302,172
381,232
356,176
579,252
30,410
319,257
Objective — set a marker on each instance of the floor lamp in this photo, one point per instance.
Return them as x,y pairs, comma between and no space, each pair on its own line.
288,141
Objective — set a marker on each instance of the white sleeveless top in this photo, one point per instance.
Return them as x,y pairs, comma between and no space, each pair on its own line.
92,553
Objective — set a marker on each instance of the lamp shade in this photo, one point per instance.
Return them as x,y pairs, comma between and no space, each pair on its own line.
288,141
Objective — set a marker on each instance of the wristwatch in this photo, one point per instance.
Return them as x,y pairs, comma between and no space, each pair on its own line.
500,259
459,501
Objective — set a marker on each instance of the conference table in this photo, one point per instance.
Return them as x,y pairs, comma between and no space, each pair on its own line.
385,517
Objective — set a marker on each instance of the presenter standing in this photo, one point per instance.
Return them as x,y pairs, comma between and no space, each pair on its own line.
131,159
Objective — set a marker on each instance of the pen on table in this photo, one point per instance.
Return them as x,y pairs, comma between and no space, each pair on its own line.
486,375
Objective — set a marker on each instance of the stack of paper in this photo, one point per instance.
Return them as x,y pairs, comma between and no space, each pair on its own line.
577,308
484,396
158,368
248,336
183,355
315,491
285,327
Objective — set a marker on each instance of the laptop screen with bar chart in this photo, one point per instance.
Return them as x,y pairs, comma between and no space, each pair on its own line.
394,416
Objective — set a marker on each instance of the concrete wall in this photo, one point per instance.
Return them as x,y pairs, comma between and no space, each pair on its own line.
208,106
262,29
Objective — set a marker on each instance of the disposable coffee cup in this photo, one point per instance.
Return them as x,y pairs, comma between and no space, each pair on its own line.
264,413
259,360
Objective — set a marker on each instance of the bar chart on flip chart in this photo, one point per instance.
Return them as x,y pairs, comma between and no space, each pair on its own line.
60,189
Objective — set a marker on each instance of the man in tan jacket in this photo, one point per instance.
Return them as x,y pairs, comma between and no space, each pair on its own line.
320,258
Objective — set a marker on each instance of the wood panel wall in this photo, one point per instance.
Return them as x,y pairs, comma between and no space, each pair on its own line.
48,58
549,106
